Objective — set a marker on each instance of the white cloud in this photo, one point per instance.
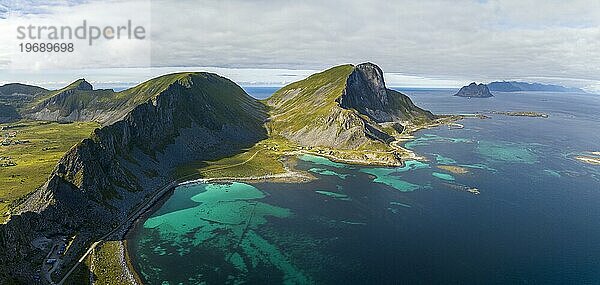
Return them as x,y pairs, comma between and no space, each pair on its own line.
427,42
100,54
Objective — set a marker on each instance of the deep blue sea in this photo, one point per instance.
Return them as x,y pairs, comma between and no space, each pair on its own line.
536,219
260,92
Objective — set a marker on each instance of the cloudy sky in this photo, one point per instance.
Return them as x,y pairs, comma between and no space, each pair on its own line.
417,43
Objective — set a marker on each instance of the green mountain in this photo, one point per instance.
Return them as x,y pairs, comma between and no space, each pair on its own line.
151,129
345,107
160,124
14,97
80,102
18,89
8,113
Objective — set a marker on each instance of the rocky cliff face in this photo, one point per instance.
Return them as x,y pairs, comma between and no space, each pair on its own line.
345,107
366,92
474,90
99,181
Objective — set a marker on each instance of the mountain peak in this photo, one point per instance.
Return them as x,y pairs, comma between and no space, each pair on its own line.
342,107
79,84
82,84
474,90
372,75
366,92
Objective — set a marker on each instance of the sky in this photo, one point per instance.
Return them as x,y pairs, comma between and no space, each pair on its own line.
422,43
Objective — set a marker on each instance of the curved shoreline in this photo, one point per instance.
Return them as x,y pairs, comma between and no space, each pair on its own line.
163,195
288,176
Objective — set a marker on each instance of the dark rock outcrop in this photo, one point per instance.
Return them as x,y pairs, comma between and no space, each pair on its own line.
84,85
345,107
366,92
474,90
99,181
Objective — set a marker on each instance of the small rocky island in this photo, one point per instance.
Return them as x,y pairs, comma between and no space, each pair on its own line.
523,114
474,90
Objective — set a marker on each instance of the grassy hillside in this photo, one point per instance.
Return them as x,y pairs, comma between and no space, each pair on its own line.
29,152
261,159
8,113
18,88
345,113
307,113
20,95
107,106
307,101
32,148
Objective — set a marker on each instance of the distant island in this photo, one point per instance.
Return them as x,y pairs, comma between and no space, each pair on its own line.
523,114
481,90
516,86
474,90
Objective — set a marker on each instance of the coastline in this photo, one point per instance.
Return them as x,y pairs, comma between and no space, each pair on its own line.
128,265
290,176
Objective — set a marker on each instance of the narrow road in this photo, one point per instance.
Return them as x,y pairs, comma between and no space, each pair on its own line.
132,217
160,193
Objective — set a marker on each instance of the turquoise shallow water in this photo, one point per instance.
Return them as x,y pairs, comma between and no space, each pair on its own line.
535,220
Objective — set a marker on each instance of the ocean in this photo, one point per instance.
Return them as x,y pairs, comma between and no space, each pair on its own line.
535,219
260,92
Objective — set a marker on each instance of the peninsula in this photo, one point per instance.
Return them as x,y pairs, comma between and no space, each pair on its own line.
180,127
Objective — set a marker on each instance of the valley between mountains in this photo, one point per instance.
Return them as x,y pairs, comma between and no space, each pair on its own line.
115,153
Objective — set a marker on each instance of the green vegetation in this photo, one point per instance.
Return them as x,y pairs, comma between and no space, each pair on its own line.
151,88
264,158
50,94
310,113
308,101
106,264
29,152
206,89
81,275
8,113
19,95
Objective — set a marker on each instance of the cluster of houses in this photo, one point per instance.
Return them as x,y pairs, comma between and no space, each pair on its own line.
6,161
273,148
7,142
8,139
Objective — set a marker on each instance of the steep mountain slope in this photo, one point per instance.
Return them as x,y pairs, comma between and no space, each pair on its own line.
80,102
8,113
21,89
345,107
75,102
171,120
15,96
174,119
